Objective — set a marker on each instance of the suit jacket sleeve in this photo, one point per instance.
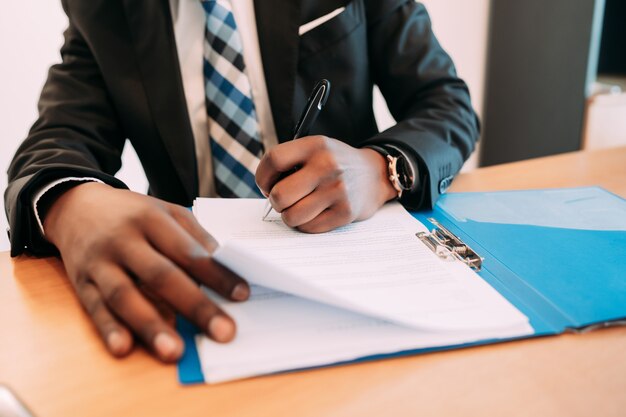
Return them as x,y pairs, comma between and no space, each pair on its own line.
77,134
436,122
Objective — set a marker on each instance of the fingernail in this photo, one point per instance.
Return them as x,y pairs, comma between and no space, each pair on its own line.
241,292
221,329
166,346
116,342
201,252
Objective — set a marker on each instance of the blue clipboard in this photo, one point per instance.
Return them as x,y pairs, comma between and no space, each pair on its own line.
559,256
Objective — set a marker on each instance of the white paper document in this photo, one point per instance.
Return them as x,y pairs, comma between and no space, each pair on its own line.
368,288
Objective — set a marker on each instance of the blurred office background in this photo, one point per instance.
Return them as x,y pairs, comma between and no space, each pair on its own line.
546,77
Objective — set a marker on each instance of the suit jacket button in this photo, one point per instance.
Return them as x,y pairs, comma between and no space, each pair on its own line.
444,184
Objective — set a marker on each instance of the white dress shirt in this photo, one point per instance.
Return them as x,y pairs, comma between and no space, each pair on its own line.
189,22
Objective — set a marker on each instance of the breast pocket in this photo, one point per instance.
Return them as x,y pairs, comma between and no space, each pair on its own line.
328,32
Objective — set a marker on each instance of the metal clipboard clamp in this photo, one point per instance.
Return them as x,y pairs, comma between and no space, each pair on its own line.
447,246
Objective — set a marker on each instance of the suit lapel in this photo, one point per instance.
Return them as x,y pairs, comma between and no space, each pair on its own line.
150,24
277,25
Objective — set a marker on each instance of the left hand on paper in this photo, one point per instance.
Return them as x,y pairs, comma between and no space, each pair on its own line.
334,184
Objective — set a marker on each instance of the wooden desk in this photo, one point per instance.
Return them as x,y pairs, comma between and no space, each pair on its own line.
50,354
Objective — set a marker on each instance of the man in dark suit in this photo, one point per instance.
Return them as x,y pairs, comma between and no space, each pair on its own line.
208,91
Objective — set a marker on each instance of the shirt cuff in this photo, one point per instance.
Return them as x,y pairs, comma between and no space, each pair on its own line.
43,190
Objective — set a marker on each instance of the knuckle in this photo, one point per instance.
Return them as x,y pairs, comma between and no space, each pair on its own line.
321,142
157,275
273,159
124,248
81,277
94,307
90,270
278,197
148,215
118,295
327,165
290,217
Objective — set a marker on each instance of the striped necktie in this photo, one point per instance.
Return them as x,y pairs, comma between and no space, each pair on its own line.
234,137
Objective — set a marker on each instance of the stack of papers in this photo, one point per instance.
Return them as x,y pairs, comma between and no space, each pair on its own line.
365,289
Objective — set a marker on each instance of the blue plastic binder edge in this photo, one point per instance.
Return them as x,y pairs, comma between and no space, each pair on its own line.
544,319
190,370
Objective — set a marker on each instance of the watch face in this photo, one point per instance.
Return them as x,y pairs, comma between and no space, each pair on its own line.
405,173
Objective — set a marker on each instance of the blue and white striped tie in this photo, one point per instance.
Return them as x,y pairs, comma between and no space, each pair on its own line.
236,145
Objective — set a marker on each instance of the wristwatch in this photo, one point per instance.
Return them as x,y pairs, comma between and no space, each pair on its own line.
402,172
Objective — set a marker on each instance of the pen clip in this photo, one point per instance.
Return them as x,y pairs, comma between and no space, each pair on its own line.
315,103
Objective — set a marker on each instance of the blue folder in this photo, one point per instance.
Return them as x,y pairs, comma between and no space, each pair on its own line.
558,255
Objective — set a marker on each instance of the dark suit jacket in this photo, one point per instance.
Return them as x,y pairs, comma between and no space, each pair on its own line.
120,78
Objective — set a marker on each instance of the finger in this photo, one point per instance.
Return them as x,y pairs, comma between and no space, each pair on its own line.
176,243
283,158
162,307
294,188
121,296
332,218
307,209
187,220
167,280
117,338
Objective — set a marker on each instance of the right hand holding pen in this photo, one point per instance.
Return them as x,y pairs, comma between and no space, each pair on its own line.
114,243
